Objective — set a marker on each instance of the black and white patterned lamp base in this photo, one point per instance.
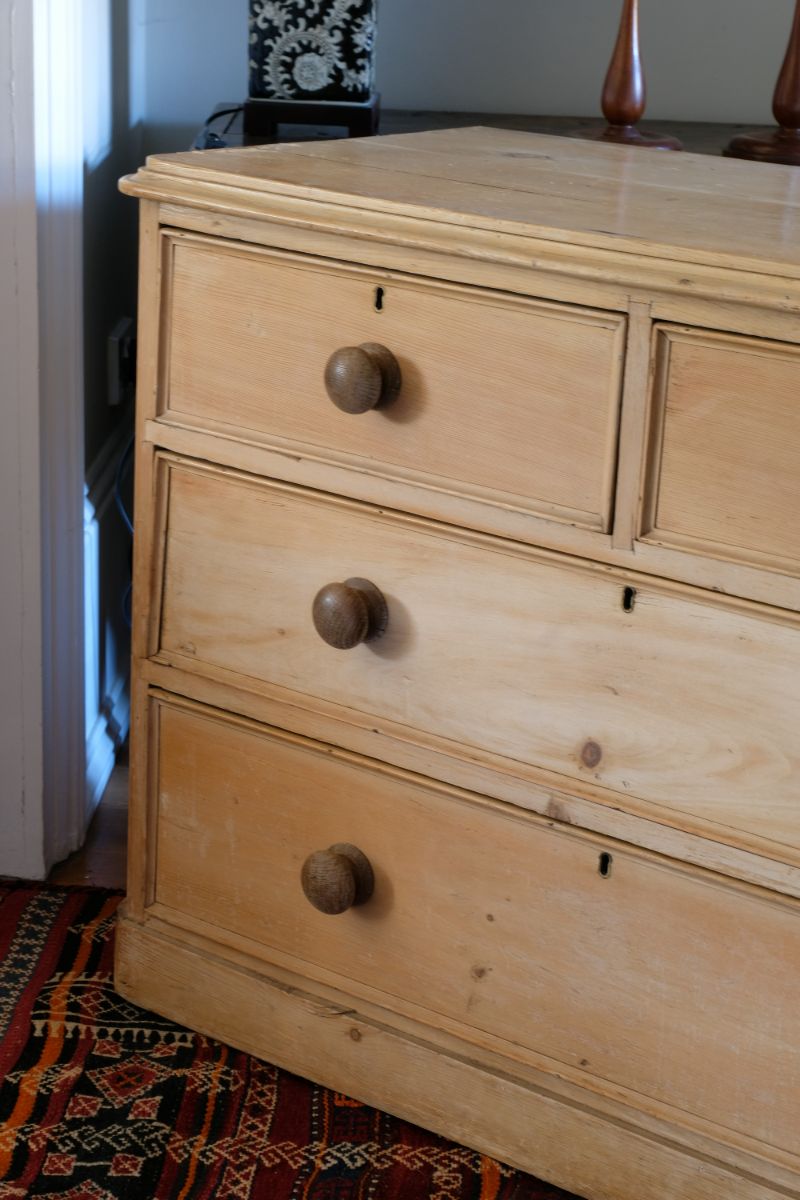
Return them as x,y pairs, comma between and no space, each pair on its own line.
312,62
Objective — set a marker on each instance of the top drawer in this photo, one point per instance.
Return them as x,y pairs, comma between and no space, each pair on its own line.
511,401
726,447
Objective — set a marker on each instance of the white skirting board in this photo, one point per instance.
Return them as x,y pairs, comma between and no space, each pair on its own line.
107,546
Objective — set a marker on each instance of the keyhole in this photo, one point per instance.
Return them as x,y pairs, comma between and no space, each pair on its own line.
379,299
605,864
628,599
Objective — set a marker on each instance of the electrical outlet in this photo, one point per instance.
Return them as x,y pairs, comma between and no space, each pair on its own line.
121,362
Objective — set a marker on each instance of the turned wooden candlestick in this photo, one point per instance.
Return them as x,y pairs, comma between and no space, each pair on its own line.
624,93
783,146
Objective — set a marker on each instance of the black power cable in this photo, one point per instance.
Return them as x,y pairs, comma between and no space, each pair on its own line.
123,466
208,138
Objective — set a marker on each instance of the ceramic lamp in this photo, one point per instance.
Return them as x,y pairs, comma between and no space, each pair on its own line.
312,62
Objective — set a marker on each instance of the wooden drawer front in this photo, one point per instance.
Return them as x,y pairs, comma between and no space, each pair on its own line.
509,400
681,702
726,447
492,919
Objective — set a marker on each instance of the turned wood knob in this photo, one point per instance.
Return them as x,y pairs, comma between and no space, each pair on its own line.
358,378
346,614
338,878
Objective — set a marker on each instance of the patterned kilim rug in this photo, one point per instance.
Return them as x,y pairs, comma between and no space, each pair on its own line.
100,1099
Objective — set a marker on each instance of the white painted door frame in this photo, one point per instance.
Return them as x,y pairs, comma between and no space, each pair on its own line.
43,802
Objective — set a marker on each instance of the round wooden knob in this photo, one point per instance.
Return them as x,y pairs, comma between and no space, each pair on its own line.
337,878
346,614
358,378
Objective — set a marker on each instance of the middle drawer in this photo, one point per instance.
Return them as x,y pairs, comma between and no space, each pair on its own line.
519,660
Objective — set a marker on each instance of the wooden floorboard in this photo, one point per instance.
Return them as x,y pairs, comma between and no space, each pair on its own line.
100,862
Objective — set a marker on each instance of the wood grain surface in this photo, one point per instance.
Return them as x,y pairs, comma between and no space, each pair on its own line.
531,421
726,446
596,1146
559,189
511,926
487,648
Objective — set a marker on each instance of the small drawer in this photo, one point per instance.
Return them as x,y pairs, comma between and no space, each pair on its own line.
666,697
725,448
503,399
664,980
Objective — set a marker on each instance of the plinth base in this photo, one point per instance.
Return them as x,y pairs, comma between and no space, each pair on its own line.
783,146
262,117
630,135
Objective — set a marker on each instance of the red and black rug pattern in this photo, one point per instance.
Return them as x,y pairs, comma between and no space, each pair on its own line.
101,1100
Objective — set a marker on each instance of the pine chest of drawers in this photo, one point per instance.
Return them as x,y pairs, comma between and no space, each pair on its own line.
466,769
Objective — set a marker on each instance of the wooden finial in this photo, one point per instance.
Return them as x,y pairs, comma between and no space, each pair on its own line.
783,146
624,92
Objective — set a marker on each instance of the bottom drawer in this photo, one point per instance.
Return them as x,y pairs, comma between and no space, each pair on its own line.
665,980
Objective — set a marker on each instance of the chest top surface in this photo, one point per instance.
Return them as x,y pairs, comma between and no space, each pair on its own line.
684,207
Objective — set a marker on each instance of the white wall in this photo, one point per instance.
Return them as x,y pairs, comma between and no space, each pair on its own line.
195,56
705,60
715,60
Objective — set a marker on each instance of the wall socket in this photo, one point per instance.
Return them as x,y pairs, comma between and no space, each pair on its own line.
121,362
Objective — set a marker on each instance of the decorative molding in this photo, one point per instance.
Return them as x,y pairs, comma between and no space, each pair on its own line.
58,83
21,842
